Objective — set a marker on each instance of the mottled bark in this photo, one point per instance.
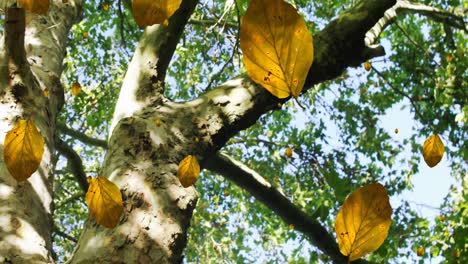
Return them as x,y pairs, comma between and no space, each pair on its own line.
26,208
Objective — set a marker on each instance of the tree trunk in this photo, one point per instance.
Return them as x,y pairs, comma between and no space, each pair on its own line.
26,207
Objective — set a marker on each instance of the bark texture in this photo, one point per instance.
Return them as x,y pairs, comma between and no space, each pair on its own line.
26,207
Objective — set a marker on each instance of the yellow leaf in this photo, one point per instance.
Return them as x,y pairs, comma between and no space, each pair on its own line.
105,7
433,150
396,130
35,6
158,122
45,92
277,47
291,227
150,12
367,66
85,34
288,152
76,88
363,221
420,251
24,146
449,58
189,169
104,201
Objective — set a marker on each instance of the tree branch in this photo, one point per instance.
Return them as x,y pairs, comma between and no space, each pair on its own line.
263,191
59,232
144,81
74,162
238,103
15,25
81,136
454,17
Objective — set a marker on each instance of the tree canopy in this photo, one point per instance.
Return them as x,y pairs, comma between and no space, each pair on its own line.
298,162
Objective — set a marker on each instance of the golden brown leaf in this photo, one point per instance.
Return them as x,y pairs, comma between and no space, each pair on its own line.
104,201
76,88
288,152
24,146
362,223
277,47
420,251
449,58
35,6
367,66
150,12
189,169
433,150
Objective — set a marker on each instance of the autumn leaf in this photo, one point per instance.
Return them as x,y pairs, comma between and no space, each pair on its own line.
277,47
189,170
362,223
35,6
420,251
150,12
24,146
367,66
433,150
104,201
76,89
288,152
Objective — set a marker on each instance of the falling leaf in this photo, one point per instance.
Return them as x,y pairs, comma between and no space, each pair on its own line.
104,201
420,251
35,6
150,12
288,152
367,66
277,47
105,7
45,92
226,192
24,146
449,58
76,88
85,34
396,130
433,150
363,221
158,122
291,227
189,169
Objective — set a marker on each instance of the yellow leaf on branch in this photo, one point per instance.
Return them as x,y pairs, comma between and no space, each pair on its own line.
433,150
363,221
104,201
150,12
24,146
277,47
35,6
189,170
